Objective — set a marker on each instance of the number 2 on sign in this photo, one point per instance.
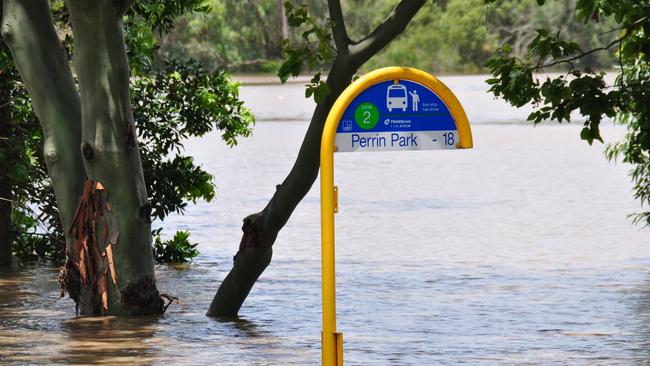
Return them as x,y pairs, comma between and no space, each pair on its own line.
449,138
366,117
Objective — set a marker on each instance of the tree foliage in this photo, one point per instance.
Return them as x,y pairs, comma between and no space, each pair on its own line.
585,91
175,250
234,34
170,105
313,50
446,36
172,99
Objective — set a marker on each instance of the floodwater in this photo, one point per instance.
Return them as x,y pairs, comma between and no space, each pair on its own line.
515,252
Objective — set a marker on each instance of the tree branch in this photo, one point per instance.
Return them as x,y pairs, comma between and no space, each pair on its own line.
341,39
581,55
386,31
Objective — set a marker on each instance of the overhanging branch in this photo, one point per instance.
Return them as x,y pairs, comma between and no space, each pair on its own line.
386,31
581,55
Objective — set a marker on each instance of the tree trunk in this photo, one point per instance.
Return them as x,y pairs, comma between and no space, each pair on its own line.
112,162
261,229
42,62
284,21
100,193
5,182
43,65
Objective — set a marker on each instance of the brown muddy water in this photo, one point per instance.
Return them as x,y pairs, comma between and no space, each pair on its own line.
517,252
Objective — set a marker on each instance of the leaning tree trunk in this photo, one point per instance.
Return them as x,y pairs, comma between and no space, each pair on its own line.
261,229
5,182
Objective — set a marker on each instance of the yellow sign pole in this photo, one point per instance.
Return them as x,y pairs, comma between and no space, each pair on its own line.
332,346
332,341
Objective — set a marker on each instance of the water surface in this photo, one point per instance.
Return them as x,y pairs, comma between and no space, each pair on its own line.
515,252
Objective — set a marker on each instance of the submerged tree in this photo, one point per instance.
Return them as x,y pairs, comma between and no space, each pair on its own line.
91,151
90,145
584,90
332,45
174,99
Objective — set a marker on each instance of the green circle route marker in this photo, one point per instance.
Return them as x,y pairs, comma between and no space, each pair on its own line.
366,115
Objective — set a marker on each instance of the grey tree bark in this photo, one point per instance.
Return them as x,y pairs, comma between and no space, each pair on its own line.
91,151
261,229
28,31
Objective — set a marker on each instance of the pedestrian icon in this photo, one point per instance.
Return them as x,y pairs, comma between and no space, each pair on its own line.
415,98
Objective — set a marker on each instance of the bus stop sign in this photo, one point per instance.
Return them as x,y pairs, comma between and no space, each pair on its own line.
397,114
390,109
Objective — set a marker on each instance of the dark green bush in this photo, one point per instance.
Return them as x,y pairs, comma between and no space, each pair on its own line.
176,250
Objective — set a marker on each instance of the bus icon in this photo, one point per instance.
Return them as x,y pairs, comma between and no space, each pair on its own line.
396,97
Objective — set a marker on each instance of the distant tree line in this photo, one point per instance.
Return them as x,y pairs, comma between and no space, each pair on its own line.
452,36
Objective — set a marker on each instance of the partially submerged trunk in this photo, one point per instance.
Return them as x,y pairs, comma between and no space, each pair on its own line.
111,157
91,151
261,229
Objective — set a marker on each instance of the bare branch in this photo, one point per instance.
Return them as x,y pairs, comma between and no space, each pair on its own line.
390,28
581,55
341,38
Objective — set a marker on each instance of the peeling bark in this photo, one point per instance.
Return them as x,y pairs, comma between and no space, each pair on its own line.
95,231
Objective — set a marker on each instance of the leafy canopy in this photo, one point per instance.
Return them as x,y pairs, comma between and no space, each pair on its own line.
584,90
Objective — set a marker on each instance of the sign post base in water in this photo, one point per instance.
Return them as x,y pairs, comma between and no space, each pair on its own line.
390,109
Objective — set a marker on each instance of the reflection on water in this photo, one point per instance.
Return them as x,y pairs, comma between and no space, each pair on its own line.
109,340
515,252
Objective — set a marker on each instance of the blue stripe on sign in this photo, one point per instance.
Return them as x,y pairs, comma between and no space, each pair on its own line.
388,123
399,110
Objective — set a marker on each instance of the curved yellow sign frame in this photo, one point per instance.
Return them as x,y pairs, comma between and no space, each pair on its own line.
332,346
